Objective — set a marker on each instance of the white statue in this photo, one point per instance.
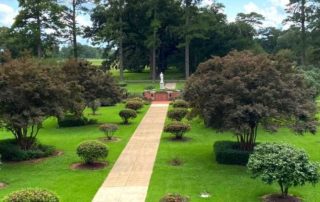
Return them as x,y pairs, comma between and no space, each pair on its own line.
161,81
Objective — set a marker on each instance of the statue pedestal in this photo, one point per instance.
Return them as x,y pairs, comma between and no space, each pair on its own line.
162,86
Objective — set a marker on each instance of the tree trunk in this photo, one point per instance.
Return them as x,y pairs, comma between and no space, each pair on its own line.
39,40
303,32
121,45
74,31
187,45
154,62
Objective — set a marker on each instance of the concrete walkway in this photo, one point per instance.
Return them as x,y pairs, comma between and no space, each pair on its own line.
129,178
170,86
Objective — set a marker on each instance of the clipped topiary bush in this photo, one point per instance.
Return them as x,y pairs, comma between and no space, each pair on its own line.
228,152
177,114
109,130
134,104
127,114
92,151
177,128
31,195
74,121
180,104
10,151
174,198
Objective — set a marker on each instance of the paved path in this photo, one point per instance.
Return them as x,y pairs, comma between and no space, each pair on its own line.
129,178
170,86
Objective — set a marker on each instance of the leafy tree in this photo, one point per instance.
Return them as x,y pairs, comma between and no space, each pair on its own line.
29,93
37,17
269,39
254,19
95,84
109,130
312,76
300,12
282,164
242,91
177,128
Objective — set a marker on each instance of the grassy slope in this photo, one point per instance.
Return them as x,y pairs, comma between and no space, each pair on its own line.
54,173
226,183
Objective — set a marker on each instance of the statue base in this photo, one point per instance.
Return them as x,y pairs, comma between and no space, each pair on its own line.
162,86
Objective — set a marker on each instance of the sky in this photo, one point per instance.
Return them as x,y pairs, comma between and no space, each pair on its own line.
272,10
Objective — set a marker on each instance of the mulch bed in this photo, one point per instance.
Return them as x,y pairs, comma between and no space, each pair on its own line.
3,185
94,166
279,198
106,140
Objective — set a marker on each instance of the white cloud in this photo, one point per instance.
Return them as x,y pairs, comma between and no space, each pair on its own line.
273,12
84,20
7,15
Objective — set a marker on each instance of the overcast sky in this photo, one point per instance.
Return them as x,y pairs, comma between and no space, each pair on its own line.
272,10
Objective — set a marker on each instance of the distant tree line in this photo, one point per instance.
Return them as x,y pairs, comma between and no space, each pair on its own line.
160,33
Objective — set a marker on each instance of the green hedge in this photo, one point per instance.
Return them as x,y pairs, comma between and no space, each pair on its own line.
31,195
73,121
10,151
227,152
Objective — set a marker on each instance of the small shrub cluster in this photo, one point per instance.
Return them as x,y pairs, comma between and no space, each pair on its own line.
228,152
174,198
109,130
177,114
127,114
150,88
107,102
134,104
74,121
94,106
10,151
92,151
180,104
177,128
31,195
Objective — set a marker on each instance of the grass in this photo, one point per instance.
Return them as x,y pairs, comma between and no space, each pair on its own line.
54,173
225,183
95,62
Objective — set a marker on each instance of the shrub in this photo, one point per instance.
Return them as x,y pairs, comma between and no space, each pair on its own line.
122,84
284,165
106,102
150,88
94,106
109,130
31,195
10,151
74,121
177,114
127,114
174,198
180,104
177,128
228,152
91,151
135,105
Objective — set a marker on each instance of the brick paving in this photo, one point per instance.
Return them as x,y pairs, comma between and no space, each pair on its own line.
129,178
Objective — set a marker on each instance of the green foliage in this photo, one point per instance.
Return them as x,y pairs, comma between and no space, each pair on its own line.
134,104
92,151
282,164
227,152
150,88
109,130
242,90
127,114
10,151
94,105
174,198
180,104
75,121
177,128
31,195
312,75
177,114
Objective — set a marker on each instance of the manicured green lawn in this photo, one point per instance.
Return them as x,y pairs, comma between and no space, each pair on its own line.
226,183
54,173
96,62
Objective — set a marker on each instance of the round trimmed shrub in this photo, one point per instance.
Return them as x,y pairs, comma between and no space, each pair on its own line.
177,114
177,128
31,195
92,151
180,104
109,130
127,114
228,152
134,104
